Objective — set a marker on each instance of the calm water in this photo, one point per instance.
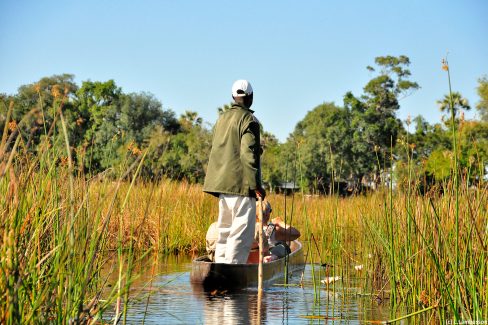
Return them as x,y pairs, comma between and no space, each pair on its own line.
164,295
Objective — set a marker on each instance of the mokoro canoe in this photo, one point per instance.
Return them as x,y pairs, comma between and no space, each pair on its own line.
237,276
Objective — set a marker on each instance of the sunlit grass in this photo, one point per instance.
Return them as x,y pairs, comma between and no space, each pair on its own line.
43,276
349,232
54,236
425,253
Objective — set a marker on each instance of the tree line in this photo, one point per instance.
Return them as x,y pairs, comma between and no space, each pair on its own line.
360,142
364,144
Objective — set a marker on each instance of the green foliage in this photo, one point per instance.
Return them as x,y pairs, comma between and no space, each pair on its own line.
428,151
107,127
96,101
224,108
324,145
374,124
439,164
46,89
347,144
458,102
482,105
424,140
97,105
4,100
179,155
36,108
473,146
271,160
351,143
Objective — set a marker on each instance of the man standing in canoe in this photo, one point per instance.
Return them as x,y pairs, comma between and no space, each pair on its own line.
234,176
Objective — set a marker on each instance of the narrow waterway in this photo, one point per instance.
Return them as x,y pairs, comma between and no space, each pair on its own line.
162,294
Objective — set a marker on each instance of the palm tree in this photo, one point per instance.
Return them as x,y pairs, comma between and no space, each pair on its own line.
224,108
191,118
268,139
458,103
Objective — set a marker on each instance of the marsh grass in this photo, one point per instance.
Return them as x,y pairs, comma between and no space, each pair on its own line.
54,233
44,278
416,233
349,232
59,230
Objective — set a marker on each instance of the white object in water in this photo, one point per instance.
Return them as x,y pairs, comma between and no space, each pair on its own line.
330,279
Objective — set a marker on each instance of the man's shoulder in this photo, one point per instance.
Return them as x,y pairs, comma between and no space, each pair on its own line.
240,113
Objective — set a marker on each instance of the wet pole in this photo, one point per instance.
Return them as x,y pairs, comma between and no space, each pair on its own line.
261,252
261,255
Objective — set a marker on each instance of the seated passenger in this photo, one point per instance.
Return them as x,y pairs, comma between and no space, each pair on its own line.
254,252
276,237
211,240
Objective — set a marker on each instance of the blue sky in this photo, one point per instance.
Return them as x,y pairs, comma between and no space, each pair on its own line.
296,54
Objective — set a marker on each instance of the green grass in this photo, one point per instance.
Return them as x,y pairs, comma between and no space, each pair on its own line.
55,236
427,254
42,275
406,242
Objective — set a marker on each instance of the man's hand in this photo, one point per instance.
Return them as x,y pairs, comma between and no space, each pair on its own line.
270,258
260,193
278,222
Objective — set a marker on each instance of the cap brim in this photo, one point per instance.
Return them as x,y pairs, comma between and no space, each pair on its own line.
241,95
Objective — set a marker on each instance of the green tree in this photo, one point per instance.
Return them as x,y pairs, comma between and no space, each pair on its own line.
112,122
323,142
194,148
439,164
373,120
224,108
428,152
190,119
180,155
425,139
482,105
271,161
131,125
421,155
41,95
4,107
98,105
94,100
36,108
109,129
459,104
473,146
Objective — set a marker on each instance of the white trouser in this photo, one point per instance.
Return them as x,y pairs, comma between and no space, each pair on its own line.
237,219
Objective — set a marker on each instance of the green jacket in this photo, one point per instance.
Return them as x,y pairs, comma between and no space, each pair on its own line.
234,164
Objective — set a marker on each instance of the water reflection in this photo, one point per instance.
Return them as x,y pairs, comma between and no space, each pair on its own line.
239,307
167,297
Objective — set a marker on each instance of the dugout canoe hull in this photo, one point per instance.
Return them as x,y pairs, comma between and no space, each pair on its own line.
237,276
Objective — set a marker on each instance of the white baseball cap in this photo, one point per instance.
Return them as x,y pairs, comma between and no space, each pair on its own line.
241,88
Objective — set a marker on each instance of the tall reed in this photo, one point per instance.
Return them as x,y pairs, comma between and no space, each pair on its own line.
353,231
428,253
54,233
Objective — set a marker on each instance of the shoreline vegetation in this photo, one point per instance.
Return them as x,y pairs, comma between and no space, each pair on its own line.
423,250
44,273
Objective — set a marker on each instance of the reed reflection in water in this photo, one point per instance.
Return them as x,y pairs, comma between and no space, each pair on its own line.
164,295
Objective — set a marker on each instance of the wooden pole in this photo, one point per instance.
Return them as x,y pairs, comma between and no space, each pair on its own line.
261,255
261,252
259,307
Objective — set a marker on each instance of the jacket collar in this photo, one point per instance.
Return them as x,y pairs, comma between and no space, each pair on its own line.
242,106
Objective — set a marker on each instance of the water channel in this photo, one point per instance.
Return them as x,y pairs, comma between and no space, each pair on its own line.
163,294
